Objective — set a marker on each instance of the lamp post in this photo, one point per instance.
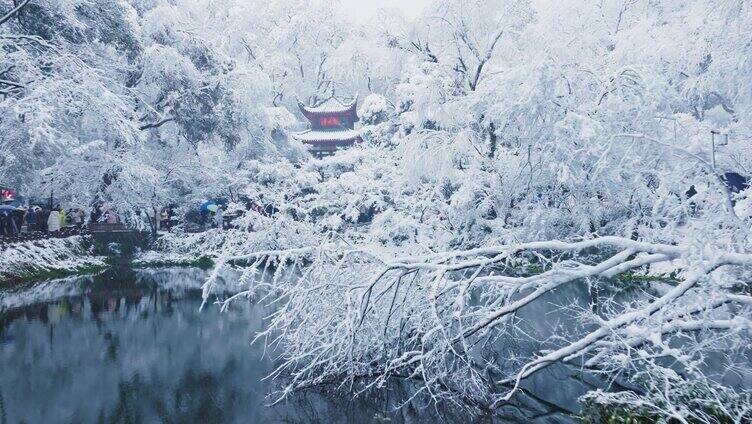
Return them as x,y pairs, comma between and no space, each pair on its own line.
712,147
48,180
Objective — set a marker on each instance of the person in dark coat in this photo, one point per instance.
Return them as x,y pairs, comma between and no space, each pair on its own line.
170,218
96,213
9,228
44,215
31,219
18,219
3,223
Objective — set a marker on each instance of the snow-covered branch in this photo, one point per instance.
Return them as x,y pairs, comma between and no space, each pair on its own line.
438,316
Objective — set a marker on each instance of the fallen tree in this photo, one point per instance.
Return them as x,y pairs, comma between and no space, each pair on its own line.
448,321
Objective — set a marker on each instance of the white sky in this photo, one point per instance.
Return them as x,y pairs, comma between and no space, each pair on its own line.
363,10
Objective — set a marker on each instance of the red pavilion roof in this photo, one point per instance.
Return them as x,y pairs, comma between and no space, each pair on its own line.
330,107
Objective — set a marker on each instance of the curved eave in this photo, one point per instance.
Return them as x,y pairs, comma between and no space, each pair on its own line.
348,110
322,137
332,141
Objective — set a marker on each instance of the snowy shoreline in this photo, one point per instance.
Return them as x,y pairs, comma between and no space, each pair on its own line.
45,259
49,259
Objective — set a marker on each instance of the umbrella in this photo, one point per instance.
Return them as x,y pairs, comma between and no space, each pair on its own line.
7,194
9,208
208,206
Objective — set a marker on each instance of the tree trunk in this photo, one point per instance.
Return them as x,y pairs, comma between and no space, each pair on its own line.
492,140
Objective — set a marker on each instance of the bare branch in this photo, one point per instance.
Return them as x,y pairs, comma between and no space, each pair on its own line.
13,11
156,124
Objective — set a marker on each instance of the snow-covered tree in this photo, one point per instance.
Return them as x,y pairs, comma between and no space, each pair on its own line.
511,150
516,125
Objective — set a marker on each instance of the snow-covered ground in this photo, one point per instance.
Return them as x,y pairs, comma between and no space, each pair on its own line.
46,257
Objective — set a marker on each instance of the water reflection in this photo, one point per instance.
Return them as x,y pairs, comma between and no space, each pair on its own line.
120,347
131,346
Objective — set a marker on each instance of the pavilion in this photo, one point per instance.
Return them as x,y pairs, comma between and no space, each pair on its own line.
332,126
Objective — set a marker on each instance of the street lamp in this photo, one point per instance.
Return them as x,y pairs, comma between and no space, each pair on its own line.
712,144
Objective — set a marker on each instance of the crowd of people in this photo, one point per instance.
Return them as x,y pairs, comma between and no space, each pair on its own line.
163,221
17,220
213,218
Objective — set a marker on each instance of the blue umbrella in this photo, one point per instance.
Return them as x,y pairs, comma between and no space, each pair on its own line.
208,206
18,202
8,209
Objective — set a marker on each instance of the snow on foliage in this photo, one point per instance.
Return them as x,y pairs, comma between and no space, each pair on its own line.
373,110
511,149
30,258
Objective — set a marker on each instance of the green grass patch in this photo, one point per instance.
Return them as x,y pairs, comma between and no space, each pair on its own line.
635,278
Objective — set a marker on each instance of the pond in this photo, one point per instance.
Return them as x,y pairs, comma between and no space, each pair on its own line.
133,346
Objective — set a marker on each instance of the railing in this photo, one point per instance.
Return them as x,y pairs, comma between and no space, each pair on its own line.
103,227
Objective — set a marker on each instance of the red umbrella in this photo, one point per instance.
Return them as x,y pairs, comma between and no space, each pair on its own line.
7,195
